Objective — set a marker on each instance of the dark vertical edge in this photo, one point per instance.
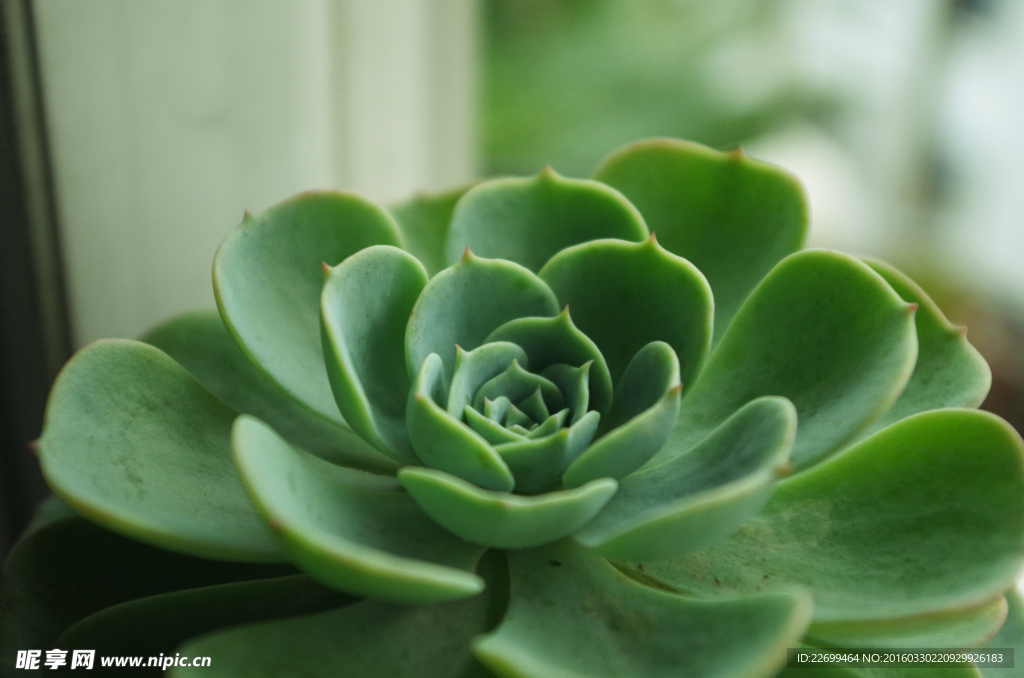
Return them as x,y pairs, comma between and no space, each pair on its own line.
34,334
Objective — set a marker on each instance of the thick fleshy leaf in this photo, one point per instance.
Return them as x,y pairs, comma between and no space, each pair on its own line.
626,295
643,414
572,614
133,442
158,624
463,304
539,461
958,628
474,368
529,220
574,383
521,387
699,497
68,569
823,330
732,216
424,221
199,342
925,516
365,308
490,430
369,639
949,371
549,342
354,531
500,519
1010,635
268,274
446,443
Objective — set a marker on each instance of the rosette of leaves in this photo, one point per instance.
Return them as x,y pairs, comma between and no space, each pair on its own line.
541,427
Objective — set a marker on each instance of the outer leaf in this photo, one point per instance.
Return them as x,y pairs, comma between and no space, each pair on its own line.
268,274
368,639
959,628
626,295
351,530
136,444
733,217
499,519
423,221
699,497
923,517
157,624
529,220
68,569
949,371
463,304
573,615
199,343
824,331
1011,635
446,443
365,307
645,410
550,342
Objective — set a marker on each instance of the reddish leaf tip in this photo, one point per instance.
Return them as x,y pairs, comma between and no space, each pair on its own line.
961,330
33,445
912,308
676,390
246,215
737,153
784,470
327,268
467,254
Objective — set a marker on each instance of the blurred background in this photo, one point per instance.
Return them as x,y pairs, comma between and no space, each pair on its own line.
134,132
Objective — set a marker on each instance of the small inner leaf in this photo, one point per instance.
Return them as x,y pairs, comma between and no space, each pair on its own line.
492,431
475,368
539,461
574,383
518,385
535,407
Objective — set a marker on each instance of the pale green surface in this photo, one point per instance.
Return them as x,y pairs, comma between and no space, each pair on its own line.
642,417
268,274
445,443
503,520
557,341
476,367
949,371
364,307
369,639
1011,635
823,330
538,463
701,496
924,516
133,442
424,221
463,304
626,295
351,530
733,217
572,615
527,220
199,342
959,628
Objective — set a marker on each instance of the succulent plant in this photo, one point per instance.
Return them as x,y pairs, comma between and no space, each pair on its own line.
540,427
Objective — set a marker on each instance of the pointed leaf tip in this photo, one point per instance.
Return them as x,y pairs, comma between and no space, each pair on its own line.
912,308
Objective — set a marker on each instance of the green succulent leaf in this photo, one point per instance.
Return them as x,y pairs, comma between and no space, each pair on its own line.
572,614
370,638
530,392
968,627
199,342
1010,635
823,330
424,221
574,383
463,304
538,462
696,498
949,371
351,530
923,517
365,307
474,368
529,220
68,569
732,216
157,624
446,443
626,295
643,414
500,519
551,343
133,442
268,274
